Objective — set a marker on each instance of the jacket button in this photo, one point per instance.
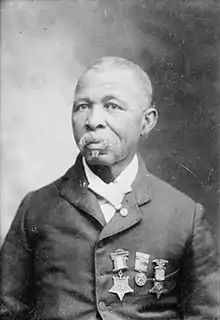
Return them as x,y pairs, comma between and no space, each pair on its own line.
124,212
102,305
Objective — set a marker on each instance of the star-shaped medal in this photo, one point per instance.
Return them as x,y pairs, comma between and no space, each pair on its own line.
121,286
158,288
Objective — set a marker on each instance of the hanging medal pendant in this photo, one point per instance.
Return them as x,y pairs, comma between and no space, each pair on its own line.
120,286
141,266
140,279
158,289
159,277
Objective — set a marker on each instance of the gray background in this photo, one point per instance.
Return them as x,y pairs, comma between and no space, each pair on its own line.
45,45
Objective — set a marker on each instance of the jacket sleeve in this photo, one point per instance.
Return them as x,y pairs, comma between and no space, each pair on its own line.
16,269
200,277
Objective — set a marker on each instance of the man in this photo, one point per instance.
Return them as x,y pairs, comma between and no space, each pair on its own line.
109,240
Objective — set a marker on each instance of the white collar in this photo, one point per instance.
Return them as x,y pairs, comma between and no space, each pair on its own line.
113,191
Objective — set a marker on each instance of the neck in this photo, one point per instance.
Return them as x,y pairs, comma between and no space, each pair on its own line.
110,173
103,172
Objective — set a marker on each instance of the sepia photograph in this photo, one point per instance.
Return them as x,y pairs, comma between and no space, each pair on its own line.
110,160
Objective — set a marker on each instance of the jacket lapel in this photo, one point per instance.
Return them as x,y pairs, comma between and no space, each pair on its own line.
74,188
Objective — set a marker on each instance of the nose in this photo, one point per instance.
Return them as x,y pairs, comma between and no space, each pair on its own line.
96,118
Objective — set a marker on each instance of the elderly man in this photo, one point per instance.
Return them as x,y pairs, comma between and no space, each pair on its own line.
109,240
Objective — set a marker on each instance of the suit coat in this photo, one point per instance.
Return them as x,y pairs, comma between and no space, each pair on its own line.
56,259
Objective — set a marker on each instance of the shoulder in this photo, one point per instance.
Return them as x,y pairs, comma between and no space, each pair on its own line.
161,192
166,192
48,195
36,202
175,211
171,204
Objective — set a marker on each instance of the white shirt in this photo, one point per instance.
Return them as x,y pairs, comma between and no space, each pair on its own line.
111,194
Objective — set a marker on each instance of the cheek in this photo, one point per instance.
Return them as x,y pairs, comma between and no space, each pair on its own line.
78,124
127,131
135,128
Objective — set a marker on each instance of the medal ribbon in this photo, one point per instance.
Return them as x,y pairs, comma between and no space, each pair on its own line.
119,258
141,262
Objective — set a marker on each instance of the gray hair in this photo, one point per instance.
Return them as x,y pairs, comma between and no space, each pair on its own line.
118,62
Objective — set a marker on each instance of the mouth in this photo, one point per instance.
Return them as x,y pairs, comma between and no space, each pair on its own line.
96,148
95,145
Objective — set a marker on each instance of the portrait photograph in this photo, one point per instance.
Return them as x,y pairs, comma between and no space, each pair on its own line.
110,140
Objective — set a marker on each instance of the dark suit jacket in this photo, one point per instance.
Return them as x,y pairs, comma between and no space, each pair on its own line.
56,260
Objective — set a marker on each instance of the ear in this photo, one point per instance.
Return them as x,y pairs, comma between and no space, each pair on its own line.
149,121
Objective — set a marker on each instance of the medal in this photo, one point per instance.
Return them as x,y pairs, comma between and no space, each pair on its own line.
159,277
140,279
158,288
160,269
120,286
141,265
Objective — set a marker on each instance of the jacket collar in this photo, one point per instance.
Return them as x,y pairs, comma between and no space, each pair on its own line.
73,186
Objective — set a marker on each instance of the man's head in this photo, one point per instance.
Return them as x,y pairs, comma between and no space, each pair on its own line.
112,110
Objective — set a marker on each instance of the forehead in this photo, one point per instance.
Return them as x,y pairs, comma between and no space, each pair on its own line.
116,80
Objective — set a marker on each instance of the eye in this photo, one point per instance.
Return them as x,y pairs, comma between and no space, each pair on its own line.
112,106
82,106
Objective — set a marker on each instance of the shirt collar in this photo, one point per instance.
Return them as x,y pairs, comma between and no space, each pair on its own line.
125,179
127,176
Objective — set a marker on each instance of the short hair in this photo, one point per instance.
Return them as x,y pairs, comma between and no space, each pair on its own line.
121,63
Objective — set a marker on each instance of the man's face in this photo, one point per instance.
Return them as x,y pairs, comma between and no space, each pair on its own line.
108,116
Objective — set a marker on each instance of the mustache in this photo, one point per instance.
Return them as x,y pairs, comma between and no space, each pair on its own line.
92,137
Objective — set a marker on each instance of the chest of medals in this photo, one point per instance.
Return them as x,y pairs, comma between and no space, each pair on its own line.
123,284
